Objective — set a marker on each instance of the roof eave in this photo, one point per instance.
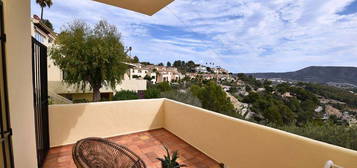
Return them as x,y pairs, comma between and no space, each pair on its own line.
147,7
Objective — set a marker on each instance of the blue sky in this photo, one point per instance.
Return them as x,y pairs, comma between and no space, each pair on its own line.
240,35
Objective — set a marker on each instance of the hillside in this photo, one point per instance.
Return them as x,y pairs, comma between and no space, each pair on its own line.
318,74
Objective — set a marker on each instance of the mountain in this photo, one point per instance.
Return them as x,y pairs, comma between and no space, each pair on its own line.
319,74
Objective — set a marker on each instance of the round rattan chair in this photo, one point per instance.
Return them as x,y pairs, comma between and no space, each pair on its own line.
101,153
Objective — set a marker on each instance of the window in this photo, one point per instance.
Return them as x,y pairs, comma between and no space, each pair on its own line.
39,37
50,40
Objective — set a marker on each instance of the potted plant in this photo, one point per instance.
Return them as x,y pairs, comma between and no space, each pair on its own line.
170,161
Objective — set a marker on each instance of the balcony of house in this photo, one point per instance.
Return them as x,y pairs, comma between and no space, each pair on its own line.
148,145
203,138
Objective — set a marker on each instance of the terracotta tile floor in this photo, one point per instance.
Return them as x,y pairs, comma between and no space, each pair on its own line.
148,145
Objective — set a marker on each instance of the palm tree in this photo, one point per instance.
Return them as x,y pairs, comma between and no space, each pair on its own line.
43,4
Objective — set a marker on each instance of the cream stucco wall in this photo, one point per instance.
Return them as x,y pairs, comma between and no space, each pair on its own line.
70,123
54,73
241,144
236,143
133,85
61,87
19,68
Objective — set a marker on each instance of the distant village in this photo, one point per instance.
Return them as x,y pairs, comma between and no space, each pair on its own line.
159,73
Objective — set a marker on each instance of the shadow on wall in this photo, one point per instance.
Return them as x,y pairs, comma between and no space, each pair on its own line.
62,124
70,123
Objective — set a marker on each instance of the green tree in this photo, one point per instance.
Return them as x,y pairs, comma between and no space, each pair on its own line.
168,64
126,95
190,66
135,59
271,108
146,63
248,88
184,67
163,86
148,78
152,93
90,56
333,93
214,98
182,96
196,90
209,70
326,132
160,64
43,4
178,63
47,23
282,88
250,80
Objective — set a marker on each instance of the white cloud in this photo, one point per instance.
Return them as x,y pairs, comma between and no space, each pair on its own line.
242,35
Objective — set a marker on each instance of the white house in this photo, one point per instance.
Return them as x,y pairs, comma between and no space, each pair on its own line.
201,69
140,73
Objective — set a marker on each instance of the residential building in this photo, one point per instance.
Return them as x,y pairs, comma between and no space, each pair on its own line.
46,36
219,70
168,74
201,69
41,32
157,73
204,138
210,76
276,80
191,75
141,73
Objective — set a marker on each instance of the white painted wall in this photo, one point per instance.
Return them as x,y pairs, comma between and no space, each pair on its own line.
19,71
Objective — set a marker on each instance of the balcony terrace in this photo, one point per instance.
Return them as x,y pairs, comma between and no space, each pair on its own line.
148,145
203,138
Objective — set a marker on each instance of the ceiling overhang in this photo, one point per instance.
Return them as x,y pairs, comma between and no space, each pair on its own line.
148,7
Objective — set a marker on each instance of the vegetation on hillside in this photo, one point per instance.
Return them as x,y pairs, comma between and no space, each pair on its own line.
183,96
354,90
333,93
135,59
205,94
271,107
296,113
214,98
152,93
326,132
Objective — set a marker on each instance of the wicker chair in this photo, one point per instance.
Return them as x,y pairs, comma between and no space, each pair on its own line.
101,153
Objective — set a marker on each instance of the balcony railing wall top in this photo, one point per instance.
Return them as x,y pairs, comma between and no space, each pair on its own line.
231,141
